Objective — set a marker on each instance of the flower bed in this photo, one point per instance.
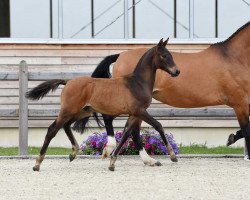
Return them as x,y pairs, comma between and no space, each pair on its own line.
151,140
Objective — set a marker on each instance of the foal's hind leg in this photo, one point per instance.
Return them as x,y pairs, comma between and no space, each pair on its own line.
85,112
158,127
52,131
75,146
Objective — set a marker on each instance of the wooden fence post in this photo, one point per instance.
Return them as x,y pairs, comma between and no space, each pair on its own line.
23,108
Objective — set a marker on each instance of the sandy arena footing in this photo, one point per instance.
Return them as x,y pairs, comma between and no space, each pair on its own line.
90,179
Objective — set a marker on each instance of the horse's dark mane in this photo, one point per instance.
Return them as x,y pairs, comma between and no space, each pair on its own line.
233,35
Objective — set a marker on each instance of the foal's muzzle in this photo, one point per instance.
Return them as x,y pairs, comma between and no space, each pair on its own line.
175,72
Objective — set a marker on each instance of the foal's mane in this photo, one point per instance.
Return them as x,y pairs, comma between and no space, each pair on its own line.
233,35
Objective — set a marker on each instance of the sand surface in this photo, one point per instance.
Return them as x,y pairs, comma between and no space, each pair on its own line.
190,178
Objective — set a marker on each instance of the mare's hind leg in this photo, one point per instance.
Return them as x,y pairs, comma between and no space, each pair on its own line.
111,142
147,160
158,127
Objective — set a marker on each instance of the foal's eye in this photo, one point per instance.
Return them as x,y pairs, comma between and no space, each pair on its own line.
164,57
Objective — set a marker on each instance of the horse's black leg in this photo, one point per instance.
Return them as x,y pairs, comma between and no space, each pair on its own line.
232,138
242,113
75,146
111,143
158,127
52,131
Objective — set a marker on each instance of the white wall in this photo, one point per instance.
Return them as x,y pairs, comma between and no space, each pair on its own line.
211,136
30,18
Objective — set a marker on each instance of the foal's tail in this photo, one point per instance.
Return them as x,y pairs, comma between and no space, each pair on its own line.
101,71
44,88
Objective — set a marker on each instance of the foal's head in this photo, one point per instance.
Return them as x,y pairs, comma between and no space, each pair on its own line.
163,59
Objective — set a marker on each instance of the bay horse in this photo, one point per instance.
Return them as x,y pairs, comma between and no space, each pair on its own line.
218,75
131,94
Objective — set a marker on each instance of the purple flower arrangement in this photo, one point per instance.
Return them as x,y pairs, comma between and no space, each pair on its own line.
151,140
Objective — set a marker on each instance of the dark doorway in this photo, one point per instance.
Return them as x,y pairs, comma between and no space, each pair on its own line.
4,18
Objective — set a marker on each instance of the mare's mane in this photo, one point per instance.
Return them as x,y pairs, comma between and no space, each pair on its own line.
233,35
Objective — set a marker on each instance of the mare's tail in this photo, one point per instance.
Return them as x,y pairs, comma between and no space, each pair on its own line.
101,71
44,88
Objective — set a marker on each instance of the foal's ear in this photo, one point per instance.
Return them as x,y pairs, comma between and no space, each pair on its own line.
165,42
160,43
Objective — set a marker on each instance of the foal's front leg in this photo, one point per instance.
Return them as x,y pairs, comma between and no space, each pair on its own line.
158,127
128,127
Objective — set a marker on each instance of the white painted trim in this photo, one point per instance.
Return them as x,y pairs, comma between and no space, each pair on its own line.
101,41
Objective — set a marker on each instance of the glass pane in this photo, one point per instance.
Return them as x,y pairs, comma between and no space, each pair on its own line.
182,18
109,19
30,18
154,19
76,19
231,16
204,19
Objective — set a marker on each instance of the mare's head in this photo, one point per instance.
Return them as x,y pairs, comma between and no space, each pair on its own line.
163,59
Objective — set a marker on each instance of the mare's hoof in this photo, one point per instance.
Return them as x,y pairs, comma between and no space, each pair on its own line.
71,157
157,164
246,158
112,168
36,168
174,159
230,139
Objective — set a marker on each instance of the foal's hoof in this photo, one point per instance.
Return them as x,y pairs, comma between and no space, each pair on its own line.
36,168
157,164
71,157
230,139
173,159
112,168
104,153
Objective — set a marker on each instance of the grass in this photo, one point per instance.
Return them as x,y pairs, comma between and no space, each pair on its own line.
203,149
13,151
192,149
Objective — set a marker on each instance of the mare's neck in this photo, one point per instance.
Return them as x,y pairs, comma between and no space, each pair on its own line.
145,70
237,46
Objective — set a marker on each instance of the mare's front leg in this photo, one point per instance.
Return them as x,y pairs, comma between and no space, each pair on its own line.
111,143
158,127
232,138
242,113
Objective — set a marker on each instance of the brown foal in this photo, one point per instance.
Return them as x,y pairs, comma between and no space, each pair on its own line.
131,94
